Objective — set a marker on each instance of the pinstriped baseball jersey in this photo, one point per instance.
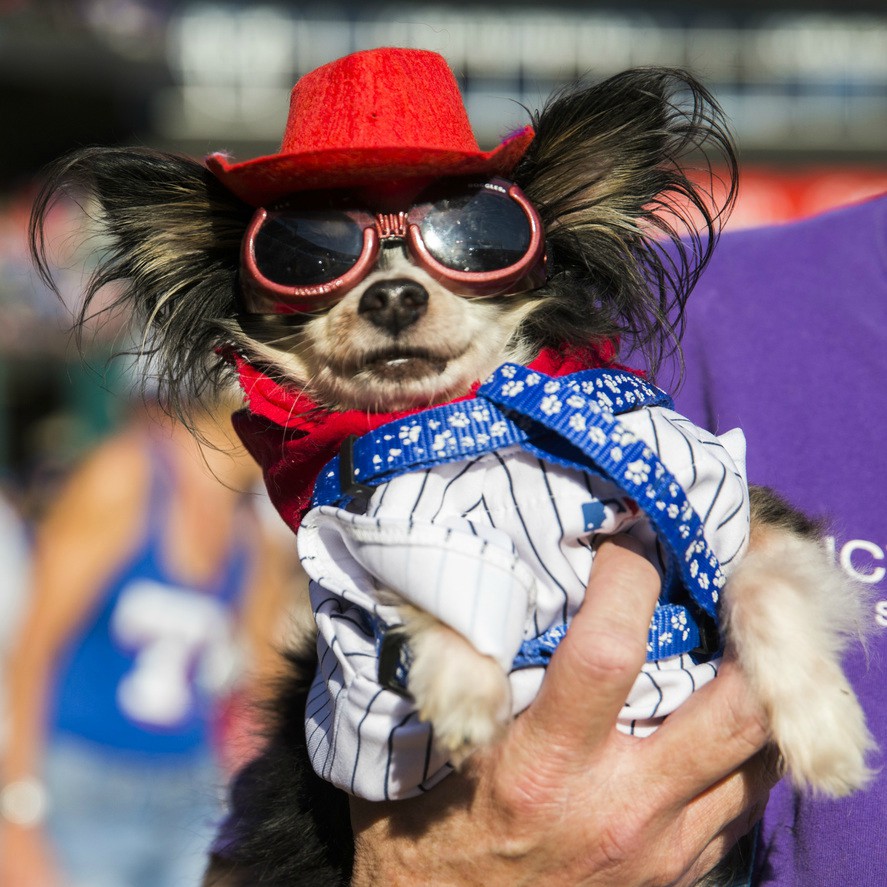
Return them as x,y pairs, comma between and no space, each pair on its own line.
499,547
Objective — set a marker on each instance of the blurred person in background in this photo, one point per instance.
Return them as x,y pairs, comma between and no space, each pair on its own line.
152,573
787,338
15,558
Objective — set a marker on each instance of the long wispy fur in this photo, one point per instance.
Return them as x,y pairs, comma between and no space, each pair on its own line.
624,174
627,229
173,235
607,172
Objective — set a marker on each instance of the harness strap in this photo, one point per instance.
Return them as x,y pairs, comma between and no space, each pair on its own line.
571,421
587,434
456,431
672,632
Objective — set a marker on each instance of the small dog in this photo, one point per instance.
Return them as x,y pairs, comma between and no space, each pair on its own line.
382,264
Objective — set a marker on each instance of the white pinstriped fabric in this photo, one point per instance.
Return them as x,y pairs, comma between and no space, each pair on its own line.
500,547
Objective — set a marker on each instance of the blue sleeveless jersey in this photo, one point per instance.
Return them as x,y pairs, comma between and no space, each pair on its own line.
143,673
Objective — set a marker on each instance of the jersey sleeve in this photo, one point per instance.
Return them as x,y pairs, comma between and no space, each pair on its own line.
363,737
467,575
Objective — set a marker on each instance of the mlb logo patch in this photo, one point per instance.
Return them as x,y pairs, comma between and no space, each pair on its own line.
593,515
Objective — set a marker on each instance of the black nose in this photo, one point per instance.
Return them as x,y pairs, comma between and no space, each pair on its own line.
393,305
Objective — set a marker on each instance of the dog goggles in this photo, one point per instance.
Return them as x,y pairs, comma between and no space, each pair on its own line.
479,240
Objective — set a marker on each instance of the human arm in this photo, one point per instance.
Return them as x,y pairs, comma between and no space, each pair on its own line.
275,598
79,543
567,799
274,616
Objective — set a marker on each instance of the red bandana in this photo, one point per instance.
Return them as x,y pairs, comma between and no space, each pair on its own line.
292,438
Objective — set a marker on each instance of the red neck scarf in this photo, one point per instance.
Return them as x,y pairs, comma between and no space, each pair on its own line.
292,438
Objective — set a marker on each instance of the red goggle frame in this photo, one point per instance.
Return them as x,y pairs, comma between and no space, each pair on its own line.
478,240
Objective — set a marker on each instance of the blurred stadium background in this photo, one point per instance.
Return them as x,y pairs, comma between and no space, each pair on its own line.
804,83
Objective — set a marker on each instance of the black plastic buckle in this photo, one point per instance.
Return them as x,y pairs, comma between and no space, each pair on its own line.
359,494
709,638
395,658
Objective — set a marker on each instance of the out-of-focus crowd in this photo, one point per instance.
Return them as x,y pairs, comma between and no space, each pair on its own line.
141,617
146,587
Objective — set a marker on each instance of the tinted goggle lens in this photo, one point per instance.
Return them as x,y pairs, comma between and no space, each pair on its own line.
307,248
479,232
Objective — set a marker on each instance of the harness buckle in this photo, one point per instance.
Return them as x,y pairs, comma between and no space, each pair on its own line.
395,659
358,494
709,638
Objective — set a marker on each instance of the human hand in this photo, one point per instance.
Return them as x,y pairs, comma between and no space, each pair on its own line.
567,799
25,857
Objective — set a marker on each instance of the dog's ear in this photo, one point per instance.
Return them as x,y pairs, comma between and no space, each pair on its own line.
625,174
167,251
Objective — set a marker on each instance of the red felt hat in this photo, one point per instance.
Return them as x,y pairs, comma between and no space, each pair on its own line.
383,115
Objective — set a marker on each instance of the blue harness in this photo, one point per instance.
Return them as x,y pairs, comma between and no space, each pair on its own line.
570,421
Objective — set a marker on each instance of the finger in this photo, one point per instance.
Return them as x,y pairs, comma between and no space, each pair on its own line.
717,730
597,662
729,810
725,854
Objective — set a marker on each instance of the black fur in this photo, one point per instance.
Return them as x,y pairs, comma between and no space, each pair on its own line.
170,246
288,827
770,510
627,229
609,172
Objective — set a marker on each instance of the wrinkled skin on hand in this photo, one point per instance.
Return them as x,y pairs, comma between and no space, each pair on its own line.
566,799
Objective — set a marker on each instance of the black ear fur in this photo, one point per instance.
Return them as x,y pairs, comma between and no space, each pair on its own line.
172,255
629,226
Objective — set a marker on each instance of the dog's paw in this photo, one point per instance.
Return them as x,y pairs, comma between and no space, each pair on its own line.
823,737
789,615
464,695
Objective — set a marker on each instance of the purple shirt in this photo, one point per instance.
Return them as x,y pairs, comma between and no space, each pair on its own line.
787,338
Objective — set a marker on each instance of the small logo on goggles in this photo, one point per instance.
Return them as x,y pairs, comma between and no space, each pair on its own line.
391,225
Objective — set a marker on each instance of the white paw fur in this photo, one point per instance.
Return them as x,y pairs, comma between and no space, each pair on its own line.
789,614
463,694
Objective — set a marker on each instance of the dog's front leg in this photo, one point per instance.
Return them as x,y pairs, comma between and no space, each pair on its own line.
464,694
789,614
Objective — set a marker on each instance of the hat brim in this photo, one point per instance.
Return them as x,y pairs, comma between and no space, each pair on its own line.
265,179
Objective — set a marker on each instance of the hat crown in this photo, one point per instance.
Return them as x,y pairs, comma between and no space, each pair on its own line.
379,99
374,117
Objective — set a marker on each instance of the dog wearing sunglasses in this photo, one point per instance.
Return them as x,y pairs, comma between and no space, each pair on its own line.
380,265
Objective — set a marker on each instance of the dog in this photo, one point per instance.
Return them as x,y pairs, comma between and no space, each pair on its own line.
381,265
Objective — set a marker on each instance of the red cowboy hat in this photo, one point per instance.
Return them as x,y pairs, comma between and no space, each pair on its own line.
383,115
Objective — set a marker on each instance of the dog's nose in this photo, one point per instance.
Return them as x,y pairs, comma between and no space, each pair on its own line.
393,305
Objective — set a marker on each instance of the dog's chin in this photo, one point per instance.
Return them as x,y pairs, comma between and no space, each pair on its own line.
388,381
399,368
